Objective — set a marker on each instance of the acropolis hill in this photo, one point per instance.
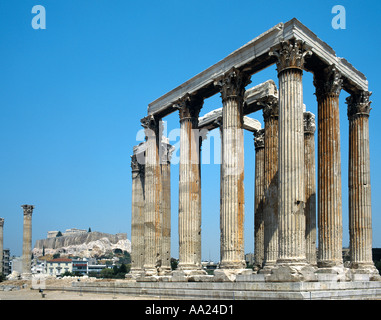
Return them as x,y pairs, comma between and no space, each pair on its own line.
82,244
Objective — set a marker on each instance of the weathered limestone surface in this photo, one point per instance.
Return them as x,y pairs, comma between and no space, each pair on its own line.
259,199
310,185
189,186
285,209
360,210
137,216
153,194
257,288
328,83
166,207
27,240
291,219
232,87
270,211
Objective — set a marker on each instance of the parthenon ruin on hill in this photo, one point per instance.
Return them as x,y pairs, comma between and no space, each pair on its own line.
293,209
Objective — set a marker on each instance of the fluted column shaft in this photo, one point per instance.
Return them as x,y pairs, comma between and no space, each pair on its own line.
310,185
189,185
1,244
166,207
271,119
291,220
232,88
360,210
153,193
27,239
328,86
259,225
137,216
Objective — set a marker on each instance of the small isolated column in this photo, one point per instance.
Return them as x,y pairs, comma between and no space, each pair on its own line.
232,87
27,241
137,215
153,193
189,187
291,220
166,206
360,210
328,85
310,185
270,212
1,245
259,225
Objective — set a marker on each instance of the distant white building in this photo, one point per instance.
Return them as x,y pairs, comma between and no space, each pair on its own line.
57,267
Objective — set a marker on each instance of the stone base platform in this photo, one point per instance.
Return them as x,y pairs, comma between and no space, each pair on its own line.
241,289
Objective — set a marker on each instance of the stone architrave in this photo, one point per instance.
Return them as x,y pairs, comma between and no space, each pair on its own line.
310,185
270,210
27,241
328,84
232,88
166,206
259,199
137,216
360,210
189,187
1,244
291,260
153,194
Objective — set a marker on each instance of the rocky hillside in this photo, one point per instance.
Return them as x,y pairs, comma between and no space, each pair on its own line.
84,245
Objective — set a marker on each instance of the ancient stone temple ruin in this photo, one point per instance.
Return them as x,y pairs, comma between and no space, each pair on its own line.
298,203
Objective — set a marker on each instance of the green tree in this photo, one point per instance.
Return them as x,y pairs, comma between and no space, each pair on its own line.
107,273
174,263
59,234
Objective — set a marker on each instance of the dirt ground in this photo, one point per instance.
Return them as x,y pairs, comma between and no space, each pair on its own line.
26,292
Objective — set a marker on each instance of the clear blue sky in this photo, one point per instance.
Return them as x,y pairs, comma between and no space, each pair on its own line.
72,96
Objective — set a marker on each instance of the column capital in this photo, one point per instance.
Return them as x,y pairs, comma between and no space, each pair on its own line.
1,222
153,127
189,107
359,104
309,122
135,165
290,54
328,81
149,122
232,84
28,209
259,139
270,108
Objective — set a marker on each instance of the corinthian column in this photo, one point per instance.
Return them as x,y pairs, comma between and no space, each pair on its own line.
270,211
259,225
291,220
189,187
27,241
166,206
232,88
137,216
310,184
153,193
360,210
1,244
328,85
